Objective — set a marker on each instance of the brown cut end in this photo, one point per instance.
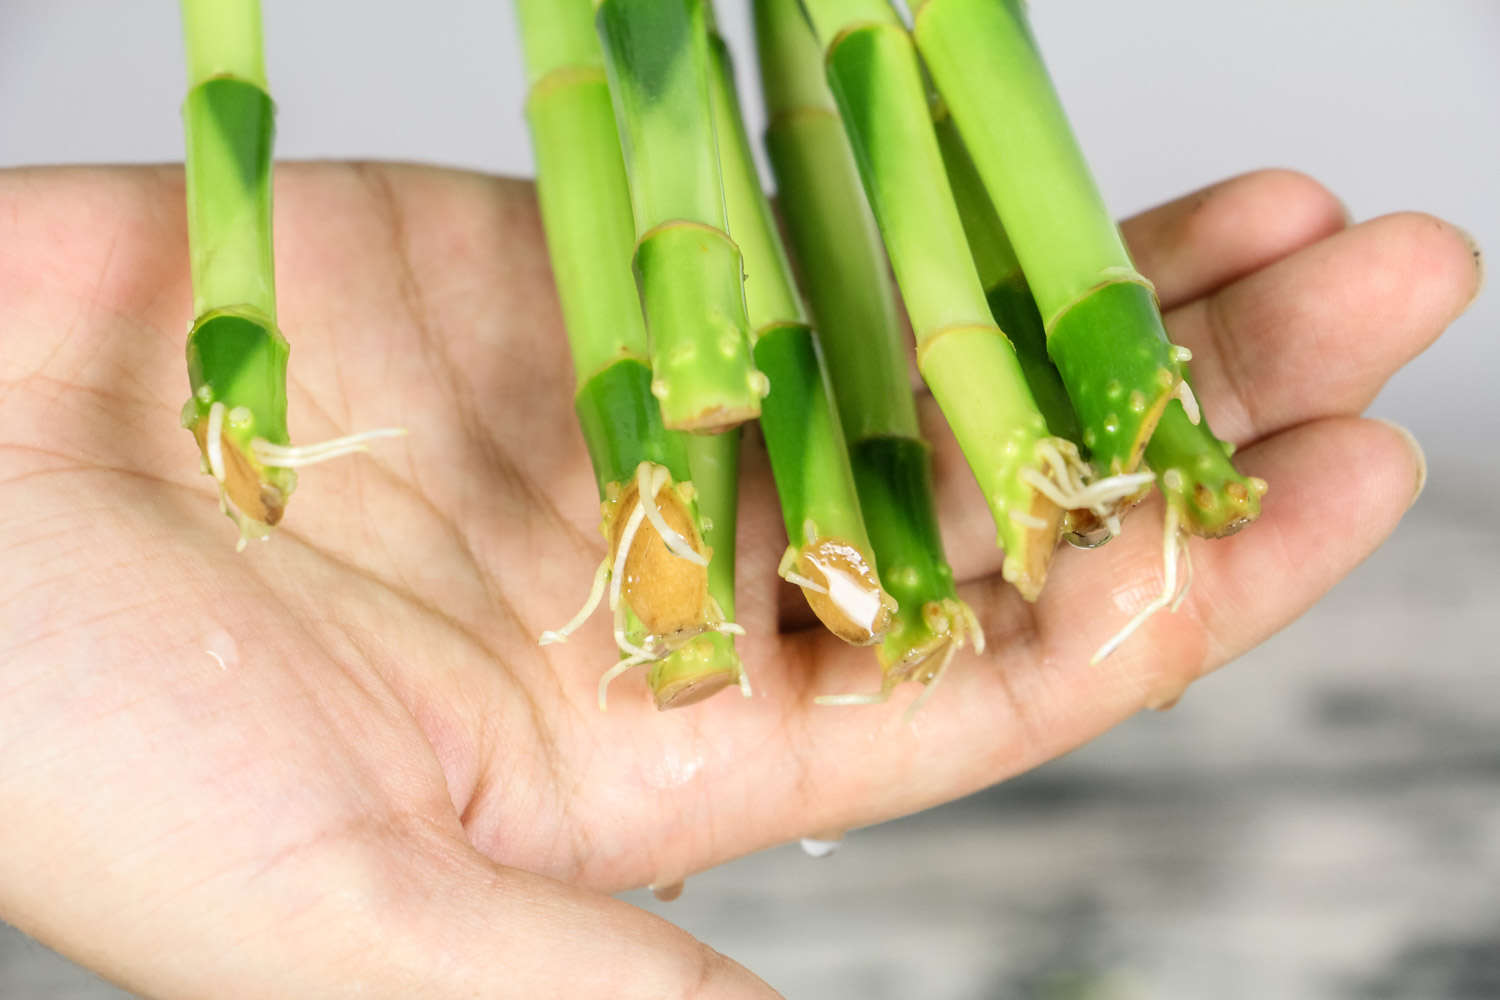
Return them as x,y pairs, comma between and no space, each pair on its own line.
694,672
921,668
251,495
716,420
852,603
668,594
1028,573
690,691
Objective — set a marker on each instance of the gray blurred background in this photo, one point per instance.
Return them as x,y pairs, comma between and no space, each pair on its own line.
1320,820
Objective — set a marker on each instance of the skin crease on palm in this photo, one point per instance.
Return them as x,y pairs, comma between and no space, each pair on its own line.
387,788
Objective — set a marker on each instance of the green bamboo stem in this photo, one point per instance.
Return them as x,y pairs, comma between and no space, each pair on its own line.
1191,466
1104,329
829,553
967,362
852,300
1005,287
236,356
1196,476
687,267
708,663
586,214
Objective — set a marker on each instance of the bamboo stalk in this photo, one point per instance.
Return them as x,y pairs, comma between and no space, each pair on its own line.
658,582
1104,328
688,268
828,553
236,355
852,300
967,362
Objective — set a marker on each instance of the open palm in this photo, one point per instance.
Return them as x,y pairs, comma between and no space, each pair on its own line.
340,763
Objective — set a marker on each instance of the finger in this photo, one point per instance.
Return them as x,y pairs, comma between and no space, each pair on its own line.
1342,487
1190,246
1319,333
1315,334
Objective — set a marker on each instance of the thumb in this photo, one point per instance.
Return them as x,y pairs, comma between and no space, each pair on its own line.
400,915
480,929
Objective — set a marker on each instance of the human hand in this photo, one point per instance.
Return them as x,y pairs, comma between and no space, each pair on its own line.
387,788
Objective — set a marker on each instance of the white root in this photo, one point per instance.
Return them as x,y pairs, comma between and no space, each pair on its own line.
932,683
872,698
1184,394
283,456
213,444
1028,520
975,630
649,480
1187,577
1174,542
955,635
622,554
622,667
806,583
596,594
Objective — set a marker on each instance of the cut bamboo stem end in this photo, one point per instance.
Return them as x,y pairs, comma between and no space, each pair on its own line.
1196,477
699,670
691,289
665,584
841,588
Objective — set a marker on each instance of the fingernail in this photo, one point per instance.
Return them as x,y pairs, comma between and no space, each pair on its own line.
1416,453
1478,256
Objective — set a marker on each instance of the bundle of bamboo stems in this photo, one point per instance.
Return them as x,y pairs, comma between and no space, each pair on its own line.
937,151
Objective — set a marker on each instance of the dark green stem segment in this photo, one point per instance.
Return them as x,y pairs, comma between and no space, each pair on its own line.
236,355
852,300
687,267
894,476
1105,333
1005,288
622,426
828,543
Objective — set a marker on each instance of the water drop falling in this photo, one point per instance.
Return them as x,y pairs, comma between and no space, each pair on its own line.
822,846
667,893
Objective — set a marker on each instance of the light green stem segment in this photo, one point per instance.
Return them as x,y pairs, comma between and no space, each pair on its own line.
986,65
581,187
230,122
236,355
687,267
1005,287
969,365
828,221
224,38
709,662
1104,327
